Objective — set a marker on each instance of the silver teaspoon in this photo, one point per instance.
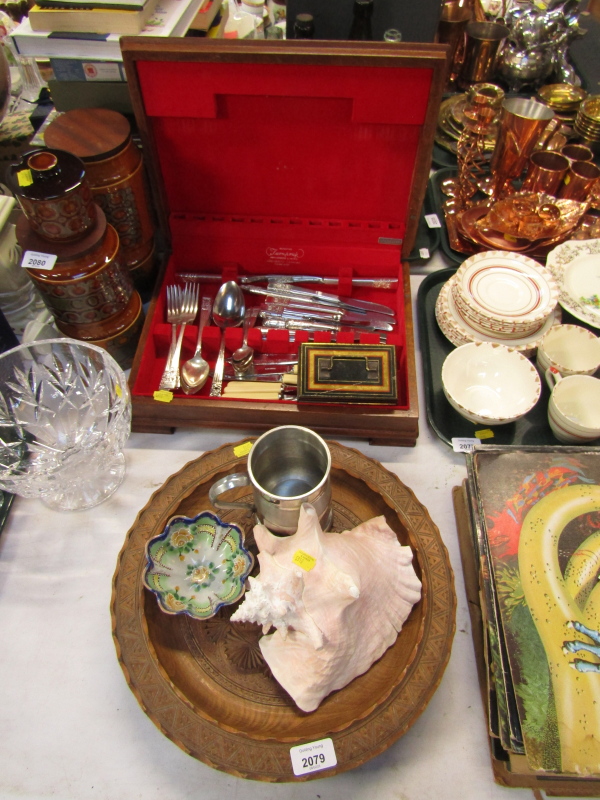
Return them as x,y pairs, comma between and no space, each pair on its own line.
228,311
195,370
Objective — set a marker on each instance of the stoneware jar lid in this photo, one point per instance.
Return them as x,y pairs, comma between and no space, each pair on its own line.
92,134
45,174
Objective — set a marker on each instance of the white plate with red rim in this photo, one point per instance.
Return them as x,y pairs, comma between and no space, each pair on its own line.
485,324
508,288
459,331
575,266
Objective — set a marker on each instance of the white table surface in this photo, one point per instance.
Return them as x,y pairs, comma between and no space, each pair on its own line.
71,728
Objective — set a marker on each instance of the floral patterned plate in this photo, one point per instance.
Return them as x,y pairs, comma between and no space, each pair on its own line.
576,268
196,565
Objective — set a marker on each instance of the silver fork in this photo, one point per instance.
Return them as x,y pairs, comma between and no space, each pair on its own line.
182,307
174,300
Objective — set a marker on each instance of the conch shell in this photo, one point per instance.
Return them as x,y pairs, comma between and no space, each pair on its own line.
337,600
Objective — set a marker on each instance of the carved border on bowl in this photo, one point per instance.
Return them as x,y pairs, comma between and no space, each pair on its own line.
232,751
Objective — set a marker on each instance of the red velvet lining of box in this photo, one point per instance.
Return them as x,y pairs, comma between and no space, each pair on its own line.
283,168
325,143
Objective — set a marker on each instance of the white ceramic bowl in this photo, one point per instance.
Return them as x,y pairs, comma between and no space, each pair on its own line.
570,349
574,407
490,383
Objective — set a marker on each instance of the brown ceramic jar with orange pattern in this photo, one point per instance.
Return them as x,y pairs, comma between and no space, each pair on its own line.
54,194
88,290
102,139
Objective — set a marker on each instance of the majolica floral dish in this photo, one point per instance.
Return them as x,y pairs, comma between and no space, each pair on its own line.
490,384
575,266
196,565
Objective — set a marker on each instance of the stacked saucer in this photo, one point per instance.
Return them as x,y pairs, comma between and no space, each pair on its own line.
564,99
499,297
587,123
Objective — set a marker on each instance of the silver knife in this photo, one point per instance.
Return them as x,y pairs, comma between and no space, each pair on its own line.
376,283
271,361
344,318
332,301
308,325
255,376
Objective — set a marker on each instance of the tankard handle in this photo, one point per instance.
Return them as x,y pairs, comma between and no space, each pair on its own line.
233,481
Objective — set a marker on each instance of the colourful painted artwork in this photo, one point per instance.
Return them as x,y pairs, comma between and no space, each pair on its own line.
541,514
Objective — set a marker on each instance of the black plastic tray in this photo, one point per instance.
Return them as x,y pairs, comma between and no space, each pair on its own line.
427,237
438,197
532,429
440,157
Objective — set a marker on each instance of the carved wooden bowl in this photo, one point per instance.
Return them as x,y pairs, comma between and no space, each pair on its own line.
205,684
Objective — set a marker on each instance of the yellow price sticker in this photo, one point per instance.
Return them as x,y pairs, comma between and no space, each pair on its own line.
242,449
24,177
163,396
304,560
485,434
118,390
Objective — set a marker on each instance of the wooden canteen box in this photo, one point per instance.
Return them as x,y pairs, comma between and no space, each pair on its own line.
286,157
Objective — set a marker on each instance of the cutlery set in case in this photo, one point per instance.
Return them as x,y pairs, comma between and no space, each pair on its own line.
297,169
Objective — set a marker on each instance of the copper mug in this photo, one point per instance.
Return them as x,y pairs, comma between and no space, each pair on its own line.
580,181
287,467
546,172
577,152
451,31
521,125
483,41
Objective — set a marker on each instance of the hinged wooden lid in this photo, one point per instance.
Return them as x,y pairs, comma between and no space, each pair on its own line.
329,131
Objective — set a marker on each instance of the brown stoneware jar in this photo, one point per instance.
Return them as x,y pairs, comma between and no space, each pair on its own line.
54,194
89,290
101,138
123,344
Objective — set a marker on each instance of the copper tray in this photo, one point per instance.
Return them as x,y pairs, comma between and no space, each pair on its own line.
205,684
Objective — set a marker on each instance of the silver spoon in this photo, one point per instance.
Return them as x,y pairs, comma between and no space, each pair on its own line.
228,311
195,370
242,357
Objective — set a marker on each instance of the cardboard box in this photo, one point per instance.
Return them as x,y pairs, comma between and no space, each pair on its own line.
284,157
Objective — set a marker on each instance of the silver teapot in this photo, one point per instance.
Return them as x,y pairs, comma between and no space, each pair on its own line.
538,43
525,67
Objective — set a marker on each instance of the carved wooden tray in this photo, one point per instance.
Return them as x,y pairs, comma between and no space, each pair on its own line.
205,684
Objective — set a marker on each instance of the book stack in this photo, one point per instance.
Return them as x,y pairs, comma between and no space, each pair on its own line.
105,16
528,520
81,38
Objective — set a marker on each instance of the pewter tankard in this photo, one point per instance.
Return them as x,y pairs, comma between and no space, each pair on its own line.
287,466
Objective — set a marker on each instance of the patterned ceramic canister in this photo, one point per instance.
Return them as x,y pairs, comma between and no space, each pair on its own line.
101,138
123,343
54,194
89,288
